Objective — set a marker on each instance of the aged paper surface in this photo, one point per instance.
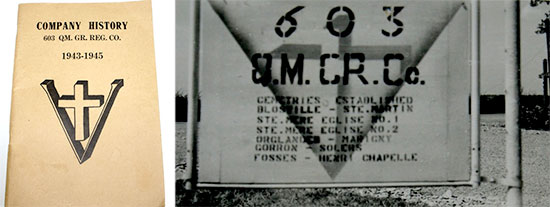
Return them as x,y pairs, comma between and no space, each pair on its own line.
84,120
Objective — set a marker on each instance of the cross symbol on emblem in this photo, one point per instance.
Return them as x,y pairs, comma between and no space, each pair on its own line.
81,103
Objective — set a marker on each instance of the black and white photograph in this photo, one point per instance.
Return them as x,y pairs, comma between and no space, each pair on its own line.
362,103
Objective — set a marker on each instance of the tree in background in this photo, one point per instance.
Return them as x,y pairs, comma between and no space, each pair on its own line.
537,2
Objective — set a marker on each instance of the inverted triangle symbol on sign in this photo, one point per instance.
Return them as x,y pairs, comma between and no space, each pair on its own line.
250,37
77,130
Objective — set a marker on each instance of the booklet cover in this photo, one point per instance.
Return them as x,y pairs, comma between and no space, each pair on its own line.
84,119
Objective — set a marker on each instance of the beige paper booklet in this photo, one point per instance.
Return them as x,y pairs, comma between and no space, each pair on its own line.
84,119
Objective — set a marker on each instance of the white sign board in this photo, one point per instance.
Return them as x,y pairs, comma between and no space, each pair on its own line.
334,93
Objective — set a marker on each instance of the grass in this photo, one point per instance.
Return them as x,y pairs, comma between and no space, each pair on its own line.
285,197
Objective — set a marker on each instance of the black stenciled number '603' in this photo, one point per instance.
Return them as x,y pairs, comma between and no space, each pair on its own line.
392,12
334,25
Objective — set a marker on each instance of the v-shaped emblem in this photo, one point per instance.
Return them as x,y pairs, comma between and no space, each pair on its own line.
77,129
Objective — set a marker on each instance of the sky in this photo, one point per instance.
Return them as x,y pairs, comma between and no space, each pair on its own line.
533,47
182,44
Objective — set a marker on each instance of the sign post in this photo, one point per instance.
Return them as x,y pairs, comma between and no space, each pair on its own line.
544,76
475,94
512,81
193,99
545,71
